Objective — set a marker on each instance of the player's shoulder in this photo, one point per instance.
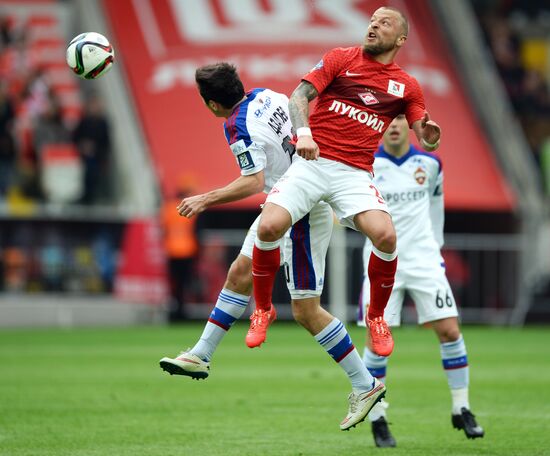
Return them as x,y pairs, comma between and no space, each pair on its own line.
430,158
399,74
236,126
259,93
248,123
344,53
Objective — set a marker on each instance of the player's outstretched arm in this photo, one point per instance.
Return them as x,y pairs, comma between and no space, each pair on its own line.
428,133
298,107
239,189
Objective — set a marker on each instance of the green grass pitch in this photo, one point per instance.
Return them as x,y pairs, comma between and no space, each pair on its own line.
101,392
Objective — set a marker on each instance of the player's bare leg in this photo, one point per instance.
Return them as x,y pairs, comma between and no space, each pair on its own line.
331,334
274,223
455,363
377,225
231,304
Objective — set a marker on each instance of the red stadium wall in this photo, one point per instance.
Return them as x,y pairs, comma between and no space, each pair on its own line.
273,43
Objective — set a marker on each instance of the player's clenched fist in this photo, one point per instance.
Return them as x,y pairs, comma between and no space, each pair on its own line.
307,148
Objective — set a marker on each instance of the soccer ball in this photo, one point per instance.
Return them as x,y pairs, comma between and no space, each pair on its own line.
90,55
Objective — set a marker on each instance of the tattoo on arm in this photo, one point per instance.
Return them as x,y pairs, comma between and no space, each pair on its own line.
299,104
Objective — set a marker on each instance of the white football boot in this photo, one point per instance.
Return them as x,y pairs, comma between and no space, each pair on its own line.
360,404
186,364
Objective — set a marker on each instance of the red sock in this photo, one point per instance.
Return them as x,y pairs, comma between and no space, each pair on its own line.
381,277
265,264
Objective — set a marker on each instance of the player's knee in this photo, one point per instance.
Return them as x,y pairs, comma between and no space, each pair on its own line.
449,334
239,276
270,231
386,241
300,314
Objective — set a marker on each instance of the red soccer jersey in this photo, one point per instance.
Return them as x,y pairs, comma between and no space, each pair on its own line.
358,99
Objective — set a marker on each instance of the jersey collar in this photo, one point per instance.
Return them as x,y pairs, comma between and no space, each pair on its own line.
397,161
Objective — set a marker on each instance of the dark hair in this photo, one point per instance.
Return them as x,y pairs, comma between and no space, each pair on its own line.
220,82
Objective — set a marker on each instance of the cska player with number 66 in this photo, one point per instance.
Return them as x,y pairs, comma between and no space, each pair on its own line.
411,182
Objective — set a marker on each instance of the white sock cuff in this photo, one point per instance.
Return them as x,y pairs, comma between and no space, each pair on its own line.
234,294
453,349
383,255
378,411
329,331
266,245
372,360
460,399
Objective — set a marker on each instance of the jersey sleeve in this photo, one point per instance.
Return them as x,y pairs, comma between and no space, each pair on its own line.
437,206
322,74
247,150
415,106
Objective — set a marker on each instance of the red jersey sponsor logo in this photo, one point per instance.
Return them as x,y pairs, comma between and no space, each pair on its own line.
370,120
368,98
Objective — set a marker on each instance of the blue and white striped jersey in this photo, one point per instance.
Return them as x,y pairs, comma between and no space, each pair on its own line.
259,132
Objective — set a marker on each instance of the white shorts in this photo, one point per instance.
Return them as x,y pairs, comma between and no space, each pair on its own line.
428,288
347,189
303,251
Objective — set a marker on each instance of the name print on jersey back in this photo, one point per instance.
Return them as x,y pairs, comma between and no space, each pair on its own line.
259,133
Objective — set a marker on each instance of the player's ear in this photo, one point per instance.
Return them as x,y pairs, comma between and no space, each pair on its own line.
213,105
401,40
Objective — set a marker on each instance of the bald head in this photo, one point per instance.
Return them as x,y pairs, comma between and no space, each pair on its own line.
402,18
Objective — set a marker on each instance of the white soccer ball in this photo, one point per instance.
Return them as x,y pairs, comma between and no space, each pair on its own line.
90,55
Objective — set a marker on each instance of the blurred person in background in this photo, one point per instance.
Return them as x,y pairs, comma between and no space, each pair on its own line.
6,33
259,132
7,146
181,246
92,137
49,127
411,182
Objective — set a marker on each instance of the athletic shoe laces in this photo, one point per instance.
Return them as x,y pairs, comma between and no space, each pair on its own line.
353,402
257,318
380,327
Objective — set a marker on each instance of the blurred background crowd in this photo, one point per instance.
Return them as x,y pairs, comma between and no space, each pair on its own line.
42,117
517,34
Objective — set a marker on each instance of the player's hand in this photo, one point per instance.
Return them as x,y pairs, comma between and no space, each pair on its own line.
307,148
431,132
192,205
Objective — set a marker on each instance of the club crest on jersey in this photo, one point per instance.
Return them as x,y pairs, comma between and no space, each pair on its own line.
368,98
420,176
396,88
245,160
